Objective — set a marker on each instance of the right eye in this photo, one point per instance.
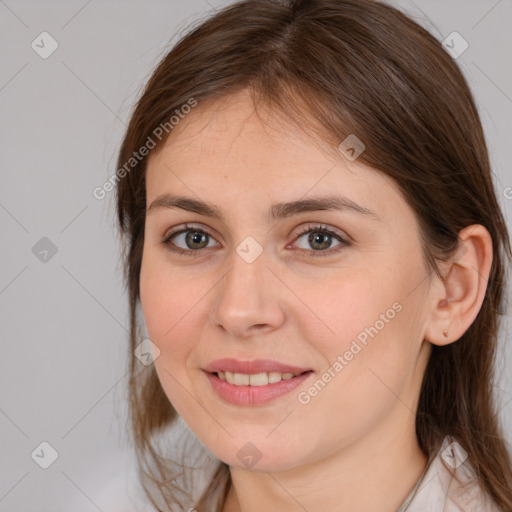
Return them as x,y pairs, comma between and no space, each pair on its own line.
194,239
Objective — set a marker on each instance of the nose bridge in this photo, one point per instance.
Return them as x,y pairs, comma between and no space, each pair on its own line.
242,284
249,262
245,296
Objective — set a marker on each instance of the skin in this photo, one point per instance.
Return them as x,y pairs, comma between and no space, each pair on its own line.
355,440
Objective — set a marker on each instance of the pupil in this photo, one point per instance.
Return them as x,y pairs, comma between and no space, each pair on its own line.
195,237
313,238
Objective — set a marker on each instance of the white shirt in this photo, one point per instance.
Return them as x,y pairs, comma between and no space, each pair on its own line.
449,484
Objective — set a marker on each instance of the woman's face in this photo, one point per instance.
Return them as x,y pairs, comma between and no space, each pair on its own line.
346,309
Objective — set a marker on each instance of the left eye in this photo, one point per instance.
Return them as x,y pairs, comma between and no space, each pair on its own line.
320,239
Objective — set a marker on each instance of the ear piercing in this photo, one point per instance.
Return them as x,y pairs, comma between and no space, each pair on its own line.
445,333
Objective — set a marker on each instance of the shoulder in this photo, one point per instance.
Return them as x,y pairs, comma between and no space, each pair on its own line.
450,484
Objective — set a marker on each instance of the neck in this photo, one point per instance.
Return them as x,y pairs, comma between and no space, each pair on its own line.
375,472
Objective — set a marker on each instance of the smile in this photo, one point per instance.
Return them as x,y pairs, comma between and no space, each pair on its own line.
249,383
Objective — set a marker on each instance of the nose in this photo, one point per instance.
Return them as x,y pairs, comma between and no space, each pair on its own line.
248,299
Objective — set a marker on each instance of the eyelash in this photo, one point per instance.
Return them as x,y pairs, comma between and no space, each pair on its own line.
309,229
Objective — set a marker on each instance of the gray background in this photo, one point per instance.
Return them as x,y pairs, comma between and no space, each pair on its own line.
64,320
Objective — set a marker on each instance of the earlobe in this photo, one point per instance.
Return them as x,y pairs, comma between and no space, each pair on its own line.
457,299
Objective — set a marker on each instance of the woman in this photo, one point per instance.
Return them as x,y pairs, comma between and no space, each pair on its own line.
314,243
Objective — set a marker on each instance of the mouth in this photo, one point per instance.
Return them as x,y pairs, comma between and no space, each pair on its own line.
249,383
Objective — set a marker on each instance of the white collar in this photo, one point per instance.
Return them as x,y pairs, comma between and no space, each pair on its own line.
448,484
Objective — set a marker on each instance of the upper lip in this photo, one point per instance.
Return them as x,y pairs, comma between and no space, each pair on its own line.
252,367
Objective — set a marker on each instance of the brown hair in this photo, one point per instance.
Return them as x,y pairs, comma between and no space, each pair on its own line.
356,67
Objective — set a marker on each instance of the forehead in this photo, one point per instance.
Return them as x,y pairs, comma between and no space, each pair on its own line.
230,122
226,149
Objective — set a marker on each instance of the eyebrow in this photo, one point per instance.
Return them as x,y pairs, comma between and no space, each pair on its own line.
276,211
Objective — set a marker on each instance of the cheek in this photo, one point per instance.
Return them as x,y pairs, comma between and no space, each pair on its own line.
373,335
167,305
167,302
157,305
350,308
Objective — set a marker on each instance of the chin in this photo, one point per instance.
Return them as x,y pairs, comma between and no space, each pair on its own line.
255,453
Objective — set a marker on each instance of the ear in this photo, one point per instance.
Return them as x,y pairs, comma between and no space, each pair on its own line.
457,298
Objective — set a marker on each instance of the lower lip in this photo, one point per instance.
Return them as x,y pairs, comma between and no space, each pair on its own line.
254,395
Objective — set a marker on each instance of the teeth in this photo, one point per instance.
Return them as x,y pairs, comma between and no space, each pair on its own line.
256,379
274,377
241,379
